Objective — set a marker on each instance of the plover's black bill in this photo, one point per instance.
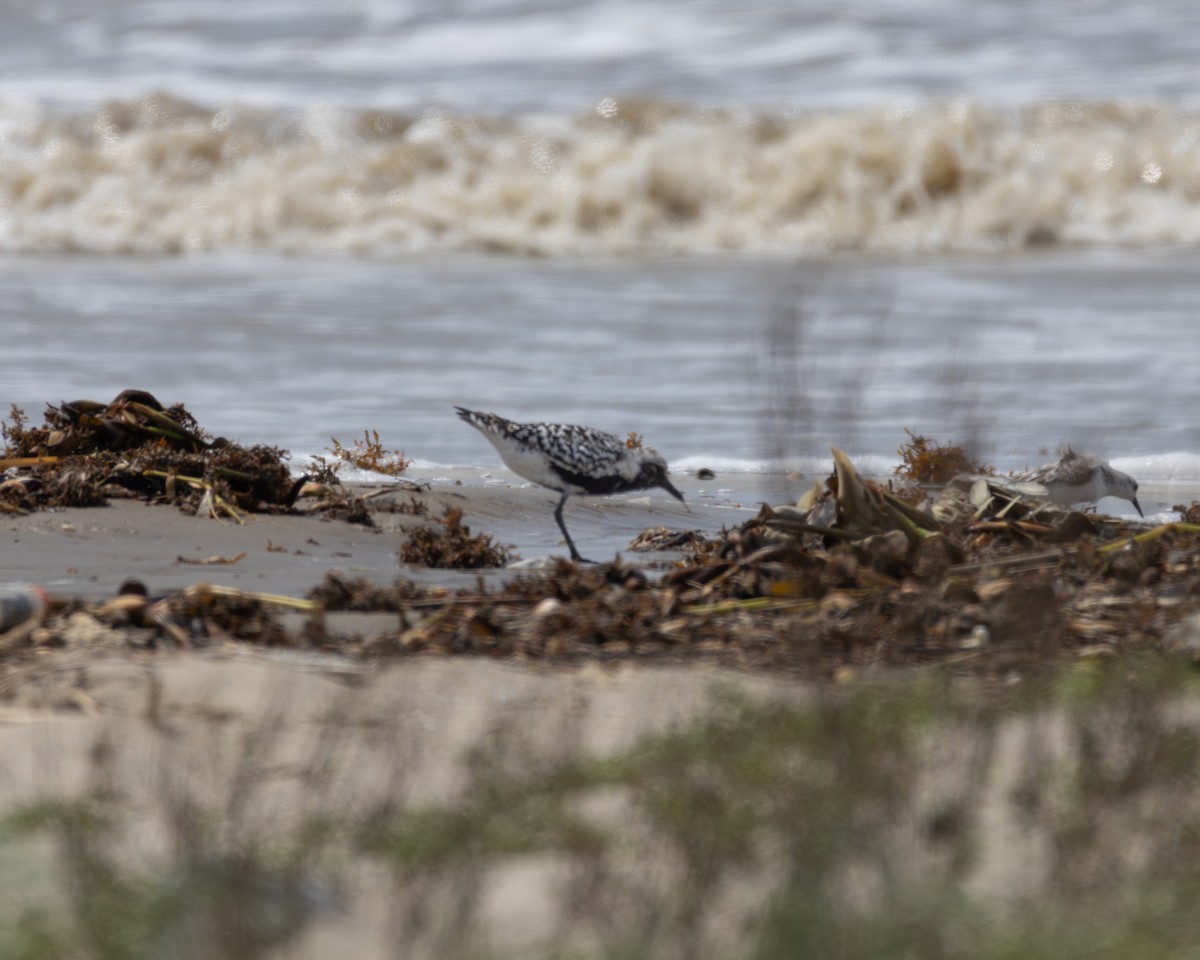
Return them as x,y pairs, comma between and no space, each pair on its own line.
1137,506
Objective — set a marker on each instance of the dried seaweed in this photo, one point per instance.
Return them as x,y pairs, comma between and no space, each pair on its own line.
660,538
853,581
86,451
370,454
452,547
338,503
212,615
338,592
1190,513
988,594
924,460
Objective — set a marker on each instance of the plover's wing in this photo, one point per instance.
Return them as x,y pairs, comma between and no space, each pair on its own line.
489,424
578,451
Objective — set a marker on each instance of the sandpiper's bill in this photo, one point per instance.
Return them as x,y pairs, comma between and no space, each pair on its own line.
571,460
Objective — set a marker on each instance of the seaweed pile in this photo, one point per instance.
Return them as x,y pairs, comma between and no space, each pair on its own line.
452,547
992,577
988,576
86,452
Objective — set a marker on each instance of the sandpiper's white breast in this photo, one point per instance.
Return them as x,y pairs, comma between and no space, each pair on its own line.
1084,488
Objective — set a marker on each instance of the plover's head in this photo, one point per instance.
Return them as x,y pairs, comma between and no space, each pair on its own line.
1124,486
653,472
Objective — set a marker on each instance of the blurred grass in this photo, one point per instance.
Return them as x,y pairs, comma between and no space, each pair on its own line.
922,816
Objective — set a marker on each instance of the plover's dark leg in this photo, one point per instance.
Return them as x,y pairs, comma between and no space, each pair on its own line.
563,527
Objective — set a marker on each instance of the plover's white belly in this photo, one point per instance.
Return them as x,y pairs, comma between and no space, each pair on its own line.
532,464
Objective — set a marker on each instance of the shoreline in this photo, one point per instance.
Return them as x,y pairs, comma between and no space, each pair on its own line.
87,552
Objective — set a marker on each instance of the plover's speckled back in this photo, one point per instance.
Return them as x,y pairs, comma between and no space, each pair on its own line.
571,459
1079,478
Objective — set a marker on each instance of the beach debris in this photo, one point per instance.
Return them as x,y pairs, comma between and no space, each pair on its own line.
132,419
994,579
370,454
846,508
925,461
338,503
1190,513
971,497
340,592
86,452
990,601
22,608
846,578
324,494
660,538
16,495
209,561
452,546
211,613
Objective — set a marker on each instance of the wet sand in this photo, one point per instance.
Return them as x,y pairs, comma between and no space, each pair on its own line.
89,552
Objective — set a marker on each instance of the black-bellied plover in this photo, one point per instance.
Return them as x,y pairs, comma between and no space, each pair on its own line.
1079,478
571,460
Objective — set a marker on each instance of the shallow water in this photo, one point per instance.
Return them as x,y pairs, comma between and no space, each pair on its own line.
500,55
745,234
737,365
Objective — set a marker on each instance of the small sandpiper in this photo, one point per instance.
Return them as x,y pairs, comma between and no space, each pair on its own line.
571,460
1079,478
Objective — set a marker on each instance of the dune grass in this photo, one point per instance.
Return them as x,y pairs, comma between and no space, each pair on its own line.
919,817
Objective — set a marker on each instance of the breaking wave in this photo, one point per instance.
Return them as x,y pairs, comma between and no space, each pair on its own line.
162,175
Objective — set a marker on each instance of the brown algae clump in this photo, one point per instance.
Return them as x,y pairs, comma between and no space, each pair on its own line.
452,547
370,454
86,451
924,460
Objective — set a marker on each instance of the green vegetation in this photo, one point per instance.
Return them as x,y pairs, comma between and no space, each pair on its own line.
922,817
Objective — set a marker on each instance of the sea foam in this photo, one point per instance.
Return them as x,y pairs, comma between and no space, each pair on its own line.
163,175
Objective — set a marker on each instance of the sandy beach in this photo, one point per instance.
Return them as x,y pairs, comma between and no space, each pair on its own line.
229,750
174,723
89,552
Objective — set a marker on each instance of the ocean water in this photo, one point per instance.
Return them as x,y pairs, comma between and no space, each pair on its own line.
746,234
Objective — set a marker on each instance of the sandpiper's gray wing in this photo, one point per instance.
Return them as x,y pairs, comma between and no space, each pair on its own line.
1039,474
1071,469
